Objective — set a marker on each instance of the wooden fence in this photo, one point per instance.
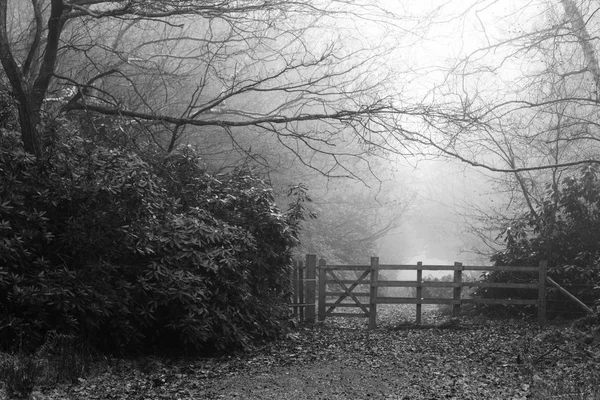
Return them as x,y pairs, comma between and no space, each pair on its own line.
302,292
362,289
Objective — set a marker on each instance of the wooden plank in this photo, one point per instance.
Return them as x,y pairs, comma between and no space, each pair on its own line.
311,275
322,286
564,291
357,294
374,277
394,267
503,268
295,287
457,289
412,300
454,285
441,284
509,285
390,267
543,269
301,291
396,300
346,267
499,301
347,305
355,315
397,283
419,294
423,284
345,281
431,300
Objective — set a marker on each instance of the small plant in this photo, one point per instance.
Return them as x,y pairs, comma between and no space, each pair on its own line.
19,373
65,358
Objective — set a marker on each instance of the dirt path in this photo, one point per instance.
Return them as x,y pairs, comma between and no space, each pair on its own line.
343,360
385,365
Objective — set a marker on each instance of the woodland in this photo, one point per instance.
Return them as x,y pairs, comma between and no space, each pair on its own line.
162,164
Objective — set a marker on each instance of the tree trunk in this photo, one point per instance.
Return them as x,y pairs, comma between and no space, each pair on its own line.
30,87
28,112
29,133
584,39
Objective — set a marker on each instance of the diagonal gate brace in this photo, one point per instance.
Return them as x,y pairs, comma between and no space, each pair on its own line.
348,292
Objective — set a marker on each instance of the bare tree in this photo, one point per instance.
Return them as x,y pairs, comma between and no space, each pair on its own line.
529,91
314,76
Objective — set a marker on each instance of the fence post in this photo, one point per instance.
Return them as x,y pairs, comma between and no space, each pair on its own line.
311,275
542,294
294,276
457,289
373,293
301,298
419,291
322,288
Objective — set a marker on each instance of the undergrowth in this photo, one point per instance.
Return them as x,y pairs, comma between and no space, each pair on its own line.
61,359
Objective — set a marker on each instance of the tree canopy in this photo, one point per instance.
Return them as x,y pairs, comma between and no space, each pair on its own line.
311,76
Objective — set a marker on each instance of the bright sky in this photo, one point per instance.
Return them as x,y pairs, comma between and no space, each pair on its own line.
434,232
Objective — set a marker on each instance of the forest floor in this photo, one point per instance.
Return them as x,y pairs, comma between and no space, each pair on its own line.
342,359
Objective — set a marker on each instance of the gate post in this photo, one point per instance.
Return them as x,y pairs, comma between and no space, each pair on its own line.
301,297
373,293
311,276
294,277
322,288
457,289
419,291
542,294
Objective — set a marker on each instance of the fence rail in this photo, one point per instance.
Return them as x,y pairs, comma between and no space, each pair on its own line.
337,290
368,279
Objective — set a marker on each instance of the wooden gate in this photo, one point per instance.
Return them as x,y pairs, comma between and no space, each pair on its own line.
337,290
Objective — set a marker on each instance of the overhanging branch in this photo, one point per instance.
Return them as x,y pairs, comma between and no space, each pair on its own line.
477,164
344,115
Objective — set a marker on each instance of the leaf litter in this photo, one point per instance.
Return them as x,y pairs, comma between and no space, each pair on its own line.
341,359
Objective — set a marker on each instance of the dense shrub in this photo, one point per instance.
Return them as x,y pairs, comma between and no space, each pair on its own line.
8,111
136,256
565,231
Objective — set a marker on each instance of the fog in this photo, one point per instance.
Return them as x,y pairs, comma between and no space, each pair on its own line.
437,228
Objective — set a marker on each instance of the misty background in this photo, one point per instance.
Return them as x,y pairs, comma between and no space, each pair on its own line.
414,131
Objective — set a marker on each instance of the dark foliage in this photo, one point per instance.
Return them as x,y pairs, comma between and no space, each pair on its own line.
565,231
136,255
8,111
20,374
